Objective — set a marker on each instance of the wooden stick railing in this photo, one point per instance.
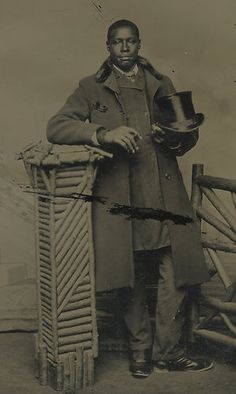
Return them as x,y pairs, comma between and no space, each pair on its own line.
217,337
215,303
228,323
202,185
221,272
221,208
214,244
215,222
233,196
216,182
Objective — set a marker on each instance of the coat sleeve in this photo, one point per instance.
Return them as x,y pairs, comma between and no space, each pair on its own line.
70,125
166,87
185,141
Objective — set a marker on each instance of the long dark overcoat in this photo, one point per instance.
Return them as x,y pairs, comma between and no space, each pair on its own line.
95,104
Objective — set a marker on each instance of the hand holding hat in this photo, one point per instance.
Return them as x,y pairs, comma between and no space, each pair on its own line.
175,113
175,119
158,133
172,140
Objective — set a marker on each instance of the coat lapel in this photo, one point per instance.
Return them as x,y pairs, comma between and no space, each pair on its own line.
111,83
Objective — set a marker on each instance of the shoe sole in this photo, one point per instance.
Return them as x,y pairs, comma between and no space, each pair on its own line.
165,370
140,376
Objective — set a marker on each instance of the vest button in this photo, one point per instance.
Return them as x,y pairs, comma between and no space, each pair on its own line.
168,176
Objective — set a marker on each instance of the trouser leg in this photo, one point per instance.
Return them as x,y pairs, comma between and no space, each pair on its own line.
170,311
135,311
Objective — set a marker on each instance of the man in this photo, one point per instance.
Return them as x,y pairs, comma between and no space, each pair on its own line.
114,109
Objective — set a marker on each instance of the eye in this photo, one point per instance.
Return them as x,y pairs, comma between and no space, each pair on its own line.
132,40
115,42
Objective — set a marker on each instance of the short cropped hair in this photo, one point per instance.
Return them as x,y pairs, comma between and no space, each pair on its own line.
122,23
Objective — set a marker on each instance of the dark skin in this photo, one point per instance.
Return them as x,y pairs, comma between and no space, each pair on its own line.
124,46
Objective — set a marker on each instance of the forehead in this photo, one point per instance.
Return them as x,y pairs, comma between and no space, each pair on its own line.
123,32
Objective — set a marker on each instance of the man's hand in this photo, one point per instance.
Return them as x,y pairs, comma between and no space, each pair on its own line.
158,133
124,136
172,140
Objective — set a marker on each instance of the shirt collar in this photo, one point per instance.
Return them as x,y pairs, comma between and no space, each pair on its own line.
129,73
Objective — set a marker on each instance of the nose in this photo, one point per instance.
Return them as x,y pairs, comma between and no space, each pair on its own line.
125,47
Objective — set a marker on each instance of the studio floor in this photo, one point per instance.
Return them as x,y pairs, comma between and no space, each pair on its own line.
111,373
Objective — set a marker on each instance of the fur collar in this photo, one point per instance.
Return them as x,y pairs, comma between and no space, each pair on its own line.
106,68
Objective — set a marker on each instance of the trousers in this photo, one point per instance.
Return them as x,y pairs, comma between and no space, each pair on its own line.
164,341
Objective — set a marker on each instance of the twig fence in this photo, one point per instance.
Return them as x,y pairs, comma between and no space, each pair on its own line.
204,185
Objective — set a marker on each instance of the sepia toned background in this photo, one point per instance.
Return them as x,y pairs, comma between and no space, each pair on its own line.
47,46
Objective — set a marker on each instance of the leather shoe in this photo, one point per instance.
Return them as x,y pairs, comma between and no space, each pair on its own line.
184,364
140,364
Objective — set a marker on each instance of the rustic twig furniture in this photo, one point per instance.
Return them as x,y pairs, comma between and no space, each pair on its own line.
217,309
67,342
62,179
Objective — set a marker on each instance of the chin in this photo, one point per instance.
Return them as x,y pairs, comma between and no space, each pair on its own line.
126,66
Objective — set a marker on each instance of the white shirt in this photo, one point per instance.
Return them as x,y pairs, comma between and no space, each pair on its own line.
129,73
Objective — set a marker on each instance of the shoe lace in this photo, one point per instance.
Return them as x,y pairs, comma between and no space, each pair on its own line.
188,362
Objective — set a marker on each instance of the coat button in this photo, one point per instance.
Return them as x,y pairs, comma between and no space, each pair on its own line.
168,176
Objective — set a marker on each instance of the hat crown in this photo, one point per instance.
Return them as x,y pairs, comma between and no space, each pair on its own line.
176,111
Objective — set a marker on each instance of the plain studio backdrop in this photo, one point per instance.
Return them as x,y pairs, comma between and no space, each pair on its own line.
47,46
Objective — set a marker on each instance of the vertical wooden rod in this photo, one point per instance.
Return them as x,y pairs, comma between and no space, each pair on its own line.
196,194
53,265
90,174
43,365
37,250
196,200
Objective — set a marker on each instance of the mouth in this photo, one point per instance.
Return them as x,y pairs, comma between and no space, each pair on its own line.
125,58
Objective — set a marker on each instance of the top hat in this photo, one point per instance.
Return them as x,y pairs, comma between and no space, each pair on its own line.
175,112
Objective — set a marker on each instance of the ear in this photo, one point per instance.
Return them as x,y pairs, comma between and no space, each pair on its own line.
139,45
108,46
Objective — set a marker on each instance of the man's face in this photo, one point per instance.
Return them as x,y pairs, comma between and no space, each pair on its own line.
124,46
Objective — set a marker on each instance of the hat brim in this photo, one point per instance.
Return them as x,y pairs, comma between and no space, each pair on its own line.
185,126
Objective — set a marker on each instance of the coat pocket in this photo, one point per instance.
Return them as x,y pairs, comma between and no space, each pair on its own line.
108,119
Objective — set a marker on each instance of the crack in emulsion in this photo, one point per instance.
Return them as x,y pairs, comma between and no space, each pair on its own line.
138,213
97,6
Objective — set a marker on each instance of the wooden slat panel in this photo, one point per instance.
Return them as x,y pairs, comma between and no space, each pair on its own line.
72,347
